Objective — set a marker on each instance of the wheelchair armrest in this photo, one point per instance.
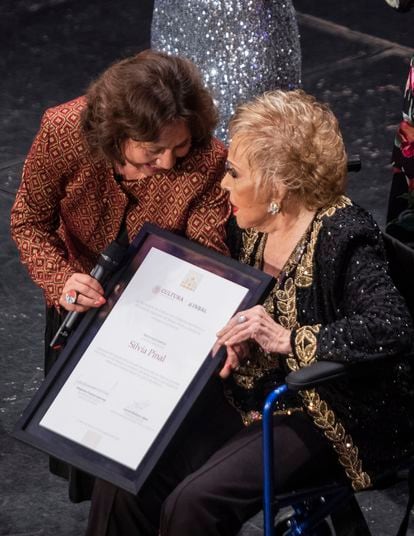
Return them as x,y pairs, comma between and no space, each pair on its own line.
326,371
315,374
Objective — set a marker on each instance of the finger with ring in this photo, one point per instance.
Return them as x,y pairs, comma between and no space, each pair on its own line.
241,319
71,296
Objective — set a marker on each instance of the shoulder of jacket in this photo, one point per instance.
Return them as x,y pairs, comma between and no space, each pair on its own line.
347,229
349,220
214,149
67,112
206,159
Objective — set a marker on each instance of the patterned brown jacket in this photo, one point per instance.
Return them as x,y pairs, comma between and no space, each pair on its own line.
70,206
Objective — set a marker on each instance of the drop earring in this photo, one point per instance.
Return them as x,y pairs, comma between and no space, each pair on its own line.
274,208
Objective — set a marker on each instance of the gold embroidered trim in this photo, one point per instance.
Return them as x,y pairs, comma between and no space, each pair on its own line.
304,271
341,202
305,347
348,454
249,238
286,304
305,344
250,417
261,361
256,367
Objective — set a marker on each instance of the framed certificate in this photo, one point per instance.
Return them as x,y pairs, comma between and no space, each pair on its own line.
132,369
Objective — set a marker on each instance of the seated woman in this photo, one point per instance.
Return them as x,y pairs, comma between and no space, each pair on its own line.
332,300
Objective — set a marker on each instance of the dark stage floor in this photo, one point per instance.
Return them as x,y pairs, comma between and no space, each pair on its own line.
355,56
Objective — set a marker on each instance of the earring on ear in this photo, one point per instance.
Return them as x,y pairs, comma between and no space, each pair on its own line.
274,208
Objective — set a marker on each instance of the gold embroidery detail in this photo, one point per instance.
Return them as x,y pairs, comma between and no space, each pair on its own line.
269,303
260,362
343,444
292,362
304,271
286,304
342,202
256,367
260,252
250,417
305,344
323,417
249,238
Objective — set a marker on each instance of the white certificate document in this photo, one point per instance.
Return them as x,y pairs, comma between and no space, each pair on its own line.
139,364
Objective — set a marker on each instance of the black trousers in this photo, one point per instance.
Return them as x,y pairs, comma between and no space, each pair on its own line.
209,480
80,483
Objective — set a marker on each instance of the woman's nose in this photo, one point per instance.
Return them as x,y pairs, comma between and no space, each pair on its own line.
166,160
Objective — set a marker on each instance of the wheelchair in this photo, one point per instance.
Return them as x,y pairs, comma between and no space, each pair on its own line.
310,508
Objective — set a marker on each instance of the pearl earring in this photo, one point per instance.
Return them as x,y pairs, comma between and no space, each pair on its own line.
274,208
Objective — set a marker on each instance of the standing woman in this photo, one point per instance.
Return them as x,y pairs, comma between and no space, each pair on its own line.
137,148
243,47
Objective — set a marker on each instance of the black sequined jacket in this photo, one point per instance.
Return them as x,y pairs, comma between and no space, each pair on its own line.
338,300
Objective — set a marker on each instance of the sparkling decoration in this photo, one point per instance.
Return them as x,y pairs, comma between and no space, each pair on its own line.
243,48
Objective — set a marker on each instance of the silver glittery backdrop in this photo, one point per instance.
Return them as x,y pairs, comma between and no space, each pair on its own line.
243,48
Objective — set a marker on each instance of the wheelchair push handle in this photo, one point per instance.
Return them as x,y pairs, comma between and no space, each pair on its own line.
354,163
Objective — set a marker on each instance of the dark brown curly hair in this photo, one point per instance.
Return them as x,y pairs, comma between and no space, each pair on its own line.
138,96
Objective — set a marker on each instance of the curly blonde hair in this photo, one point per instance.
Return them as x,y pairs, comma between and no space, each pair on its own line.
291,138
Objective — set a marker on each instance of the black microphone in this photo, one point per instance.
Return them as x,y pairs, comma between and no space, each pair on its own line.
108,262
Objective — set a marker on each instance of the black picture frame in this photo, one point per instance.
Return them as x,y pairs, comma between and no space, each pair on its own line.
28,428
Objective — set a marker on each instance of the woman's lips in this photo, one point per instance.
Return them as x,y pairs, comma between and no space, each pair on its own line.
153,169
235,209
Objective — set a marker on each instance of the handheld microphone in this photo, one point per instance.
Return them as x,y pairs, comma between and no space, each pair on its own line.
108,262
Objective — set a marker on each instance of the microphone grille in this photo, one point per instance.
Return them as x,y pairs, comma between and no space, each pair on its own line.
112,255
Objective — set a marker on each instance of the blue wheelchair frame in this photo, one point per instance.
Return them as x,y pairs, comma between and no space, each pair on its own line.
328,497
312,506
